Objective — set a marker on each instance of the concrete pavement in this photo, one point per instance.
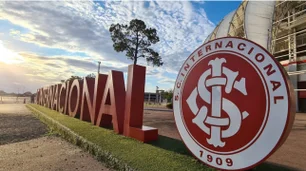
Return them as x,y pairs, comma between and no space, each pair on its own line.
25,146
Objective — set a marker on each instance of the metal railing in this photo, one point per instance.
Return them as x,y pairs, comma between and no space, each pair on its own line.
284,46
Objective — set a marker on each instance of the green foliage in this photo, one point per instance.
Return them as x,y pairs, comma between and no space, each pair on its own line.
168,95
73,77
27,94
136,40
2,93
92,75
169,105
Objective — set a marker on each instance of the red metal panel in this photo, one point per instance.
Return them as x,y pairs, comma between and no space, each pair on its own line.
75,97
134,106
100,83
87,108
112,106
56,90
302,94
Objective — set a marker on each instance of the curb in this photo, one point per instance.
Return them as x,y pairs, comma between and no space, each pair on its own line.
66,133
159,109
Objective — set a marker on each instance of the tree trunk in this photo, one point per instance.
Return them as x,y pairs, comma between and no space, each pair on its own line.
136,49
135,61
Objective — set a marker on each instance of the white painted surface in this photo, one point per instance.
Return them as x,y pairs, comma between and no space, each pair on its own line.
258,21
224,25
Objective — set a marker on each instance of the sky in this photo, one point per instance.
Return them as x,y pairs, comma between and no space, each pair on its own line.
42,43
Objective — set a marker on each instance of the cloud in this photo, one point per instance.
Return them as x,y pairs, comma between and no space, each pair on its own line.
82,26
38,71
14,32
80,66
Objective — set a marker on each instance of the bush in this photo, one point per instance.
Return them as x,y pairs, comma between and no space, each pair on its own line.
170,105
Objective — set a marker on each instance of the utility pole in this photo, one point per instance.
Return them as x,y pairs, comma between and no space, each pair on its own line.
156,96
99,62
17,95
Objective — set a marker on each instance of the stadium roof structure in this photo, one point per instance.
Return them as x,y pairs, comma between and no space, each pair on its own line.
278,26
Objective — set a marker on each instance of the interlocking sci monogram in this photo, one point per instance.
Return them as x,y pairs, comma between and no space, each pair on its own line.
233,104
217,102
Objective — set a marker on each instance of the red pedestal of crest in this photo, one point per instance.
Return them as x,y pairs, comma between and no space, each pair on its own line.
133,122
144,134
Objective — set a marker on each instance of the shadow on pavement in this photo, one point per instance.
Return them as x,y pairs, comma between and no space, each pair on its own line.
16,128
171,144
178,146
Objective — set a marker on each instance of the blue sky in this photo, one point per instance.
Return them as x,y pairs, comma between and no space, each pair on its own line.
216,10
42,43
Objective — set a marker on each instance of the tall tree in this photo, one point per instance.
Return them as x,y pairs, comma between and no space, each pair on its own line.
92,75
136,40
168,95
73,77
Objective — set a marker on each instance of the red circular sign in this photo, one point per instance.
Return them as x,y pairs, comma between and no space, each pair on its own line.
245,102
232,104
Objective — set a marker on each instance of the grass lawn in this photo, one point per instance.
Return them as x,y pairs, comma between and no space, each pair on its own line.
123,153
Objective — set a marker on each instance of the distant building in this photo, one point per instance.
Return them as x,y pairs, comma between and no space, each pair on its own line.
153,98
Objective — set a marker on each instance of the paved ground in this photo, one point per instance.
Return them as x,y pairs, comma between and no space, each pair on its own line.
23,145
46,153
159,109
18,124
292,153
162,120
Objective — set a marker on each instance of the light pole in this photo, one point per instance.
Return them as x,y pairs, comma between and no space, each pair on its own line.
99,62
156,96
17,95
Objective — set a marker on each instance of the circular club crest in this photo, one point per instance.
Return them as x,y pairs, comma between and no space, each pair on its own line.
233,104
